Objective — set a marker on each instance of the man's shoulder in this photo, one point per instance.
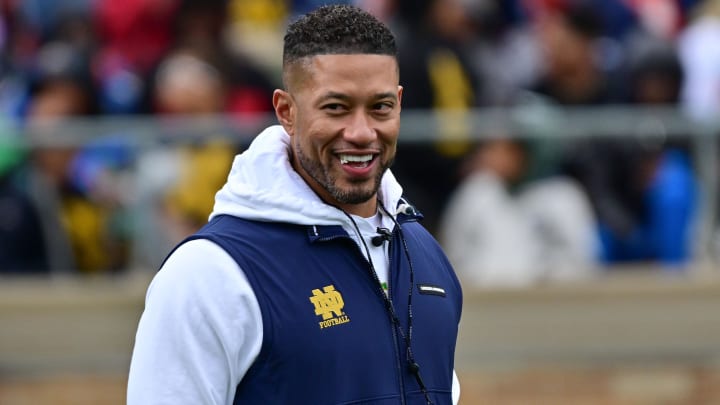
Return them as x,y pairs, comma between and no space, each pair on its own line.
237,235
232,225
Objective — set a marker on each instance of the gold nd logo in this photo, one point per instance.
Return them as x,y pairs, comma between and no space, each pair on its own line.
329,304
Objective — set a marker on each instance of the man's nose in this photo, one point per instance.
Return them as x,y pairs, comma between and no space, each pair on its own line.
359,129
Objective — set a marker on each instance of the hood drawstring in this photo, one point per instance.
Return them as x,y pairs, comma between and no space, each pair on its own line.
412,365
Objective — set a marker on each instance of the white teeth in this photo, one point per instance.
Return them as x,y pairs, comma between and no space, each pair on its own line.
344,159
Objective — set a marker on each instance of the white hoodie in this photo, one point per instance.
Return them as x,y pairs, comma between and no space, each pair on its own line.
202,326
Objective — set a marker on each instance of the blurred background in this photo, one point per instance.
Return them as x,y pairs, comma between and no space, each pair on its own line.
564,153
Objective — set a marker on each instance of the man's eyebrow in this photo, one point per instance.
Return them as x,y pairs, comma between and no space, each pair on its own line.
344,97
390,95
334,95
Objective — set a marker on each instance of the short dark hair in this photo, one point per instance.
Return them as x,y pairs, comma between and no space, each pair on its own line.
337,29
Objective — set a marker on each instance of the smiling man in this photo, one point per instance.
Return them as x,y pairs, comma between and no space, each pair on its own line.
343,114
313,282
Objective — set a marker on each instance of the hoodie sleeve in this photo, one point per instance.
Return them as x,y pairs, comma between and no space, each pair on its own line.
199,333
455,389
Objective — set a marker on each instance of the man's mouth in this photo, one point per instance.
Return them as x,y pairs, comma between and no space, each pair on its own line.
358,161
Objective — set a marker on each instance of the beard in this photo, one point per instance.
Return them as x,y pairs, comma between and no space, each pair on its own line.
357,192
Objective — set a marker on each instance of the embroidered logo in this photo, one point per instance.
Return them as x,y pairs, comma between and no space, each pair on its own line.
329,305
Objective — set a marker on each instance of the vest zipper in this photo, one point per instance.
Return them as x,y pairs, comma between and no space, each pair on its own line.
393,327
398,359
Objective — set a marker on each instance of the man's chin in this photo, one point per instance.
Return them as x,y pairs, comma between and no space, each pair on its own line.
354,195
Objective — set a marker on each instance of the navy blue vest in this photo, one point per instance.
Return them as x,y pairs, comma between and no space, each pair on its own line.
327,334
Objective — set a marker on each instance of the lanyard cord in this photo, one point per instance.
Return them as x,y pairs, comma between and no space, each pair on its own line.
413,366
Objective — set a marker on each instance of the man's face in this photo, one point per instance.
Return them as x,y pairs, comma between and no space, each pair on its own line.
343,113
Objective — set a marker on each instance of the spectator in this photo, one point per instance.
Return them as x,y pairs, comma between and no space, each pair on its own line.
504,53
499,234
22,248
172,177
569,32
199,29
72,224
700,94
660,184
487,237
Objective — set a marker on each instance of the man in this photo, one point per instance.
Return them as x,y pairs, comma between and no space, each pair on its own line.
313,282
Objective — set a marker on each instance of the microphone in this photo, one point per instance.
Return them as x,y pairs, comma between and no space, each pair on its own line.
406,209
384,234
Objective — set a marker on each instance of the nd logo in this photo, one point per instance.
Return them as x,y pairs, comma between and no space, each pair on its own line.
328,302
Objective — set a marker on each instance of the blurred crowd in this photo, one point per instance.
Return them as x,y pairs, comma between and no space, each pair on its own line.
508,210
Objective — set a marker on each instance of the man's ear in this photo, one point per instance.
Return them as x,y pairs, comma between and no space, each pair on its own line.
399,96
284,110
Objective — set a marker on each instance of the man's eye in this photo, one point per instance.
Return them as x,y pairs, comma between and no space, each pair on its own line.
333,107
383,107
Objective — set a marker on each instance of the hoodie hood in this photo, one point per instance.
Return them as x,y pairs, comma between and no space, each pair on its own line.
263,186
